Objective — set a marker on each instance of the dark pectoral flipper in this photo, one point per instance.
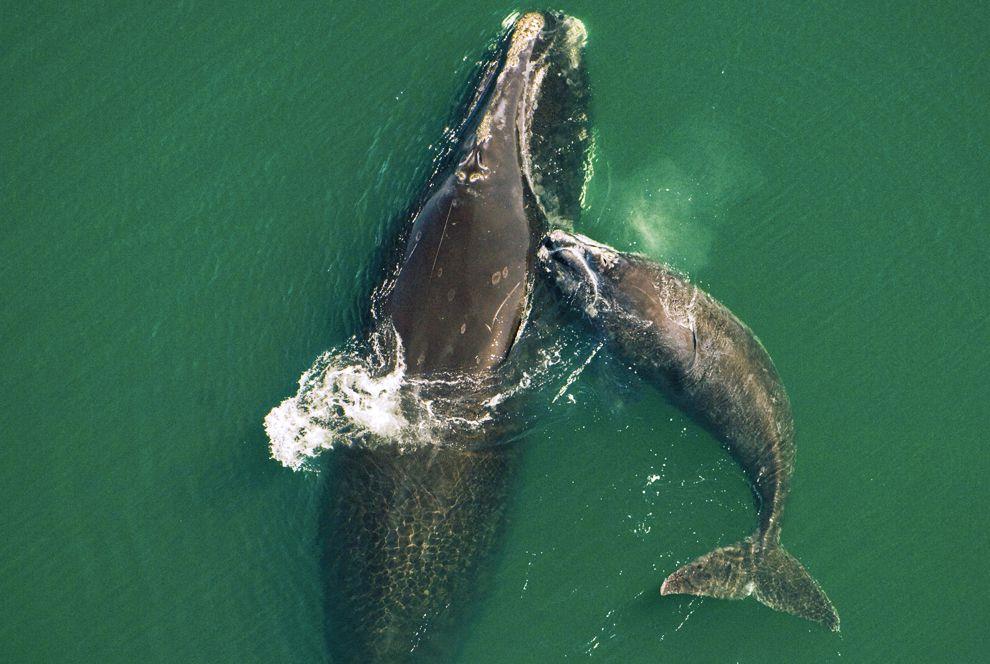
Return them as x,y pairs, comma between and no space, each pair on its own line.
770,574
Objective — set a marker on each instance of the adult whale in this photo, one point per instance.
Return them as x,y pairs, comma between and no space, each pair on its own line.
410,527
713,366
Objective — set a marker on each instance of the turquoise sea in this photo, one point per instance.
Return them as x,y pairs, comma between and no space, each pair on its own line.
192,200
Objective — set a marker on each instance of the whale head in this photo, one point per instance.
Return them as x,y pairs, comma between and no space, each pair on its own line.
515,165
530,114
583,270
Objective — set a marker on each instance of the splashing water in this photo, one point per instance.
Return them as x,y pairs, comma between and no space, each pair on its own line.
360,394
342,393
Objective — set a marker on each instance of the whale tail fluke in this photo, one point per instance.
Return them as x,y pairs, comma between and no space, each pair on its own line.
769,573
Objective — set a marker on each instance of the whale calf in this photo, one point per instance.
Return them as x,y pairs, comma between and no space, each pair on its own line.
408,528
711,365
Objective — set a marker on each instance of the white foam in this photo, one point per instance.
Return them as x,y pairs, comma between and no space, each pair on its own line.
510,20
665,217
340,398
359,394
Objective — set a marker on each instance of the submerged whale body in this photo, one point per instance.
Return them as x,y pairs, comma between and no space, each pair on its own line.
711,365
409,528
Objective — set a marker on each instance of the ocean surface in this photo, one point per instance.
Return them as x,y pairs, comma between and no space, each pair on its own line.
193,200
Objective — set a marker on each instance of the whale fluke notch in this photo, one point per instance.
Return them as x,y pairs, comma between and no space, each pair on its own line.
769,573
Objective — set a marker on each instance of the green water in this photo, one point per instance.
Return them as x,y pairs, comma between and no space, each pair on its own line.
191,198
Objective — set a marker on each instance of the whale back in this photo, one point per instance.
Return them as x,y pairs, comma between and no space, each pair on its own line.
407,535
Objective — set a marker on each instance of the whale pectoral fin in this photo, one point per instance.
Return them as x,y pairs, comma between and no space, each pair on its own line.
772,575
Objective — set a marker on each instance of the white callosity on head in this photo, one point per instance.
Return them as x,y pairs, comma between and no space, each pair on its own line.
576,264
527,29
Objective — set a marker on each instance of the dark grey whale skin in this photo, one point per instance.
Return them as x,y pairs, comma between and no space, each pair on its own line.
408,530
711,365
